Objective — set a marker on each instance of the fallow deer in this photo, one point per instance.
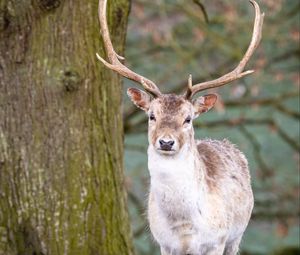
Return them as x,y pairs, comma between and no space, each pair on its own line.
200,198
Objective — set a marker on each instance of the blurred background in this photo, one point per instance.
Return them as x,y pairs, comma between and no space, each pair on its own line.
169,39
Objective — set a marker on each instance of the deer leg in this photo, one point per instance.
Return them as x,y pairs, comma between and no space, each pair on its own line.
232,248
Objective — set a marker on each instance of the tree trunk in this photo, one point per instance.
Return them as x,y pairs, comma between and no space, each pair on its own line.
61,177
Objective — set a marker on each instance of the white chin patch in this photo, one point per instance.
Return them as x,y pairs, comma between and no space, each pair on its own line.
167,153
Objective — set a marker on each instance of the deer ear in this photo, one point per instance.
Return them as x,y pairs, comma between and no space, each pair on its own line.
139,98
204,103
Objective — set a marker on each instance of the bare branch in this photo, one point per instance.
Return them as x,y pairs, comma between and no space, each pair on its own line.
267,171
278,214
285,110
261,101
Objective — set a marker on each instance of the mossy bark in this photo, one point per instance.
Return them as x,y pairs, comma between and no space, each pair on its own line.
61,178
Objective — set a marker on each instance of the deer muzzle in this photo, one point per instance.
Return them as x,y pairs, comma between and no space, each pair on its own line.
166,145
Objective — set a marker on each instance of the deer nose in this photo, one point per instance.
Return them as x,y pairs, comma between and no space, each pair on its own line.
166,145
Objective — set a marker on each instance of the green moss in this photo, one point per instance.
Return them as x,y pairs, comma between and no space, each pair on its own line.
63,181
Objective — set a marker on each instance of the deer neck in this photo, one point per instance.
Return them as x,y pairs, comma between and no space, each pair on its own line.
183,165
177,181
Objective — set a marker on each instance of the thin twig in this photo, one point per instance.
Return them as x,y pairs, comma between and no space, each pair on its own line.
197,2
277,214
261,101
287,111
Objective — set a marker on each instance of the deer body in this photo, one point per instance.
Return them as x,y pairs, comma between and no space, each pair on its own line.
191,208
200,198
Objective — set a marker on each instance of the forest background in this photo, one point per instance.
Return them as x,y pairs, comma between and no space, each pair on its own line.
166,41
63,113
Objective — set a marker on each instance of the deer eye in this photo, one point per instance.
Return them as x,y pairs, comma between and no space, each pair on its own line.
187,120
152,117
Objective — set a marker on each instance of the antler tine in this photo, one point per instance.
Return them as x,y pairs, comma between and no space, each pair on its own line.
188,93
114,59
237,73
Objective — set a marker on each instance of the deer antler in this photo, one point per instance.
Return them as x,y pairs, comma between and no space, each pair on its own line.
114,58
238,71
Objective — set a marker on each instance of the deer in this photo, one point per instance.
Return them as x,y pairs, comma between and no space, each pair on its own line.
200,200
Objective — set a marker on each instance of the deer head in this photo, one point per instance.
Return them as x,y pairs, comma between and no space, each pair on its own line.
170,116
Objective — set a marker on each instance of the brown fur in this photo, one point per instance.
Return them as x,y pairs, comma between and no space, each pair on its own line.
215,154
171,104
169,117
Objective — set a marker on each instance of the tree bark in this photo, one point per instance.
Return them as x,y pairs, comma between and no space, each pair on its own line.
61,150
